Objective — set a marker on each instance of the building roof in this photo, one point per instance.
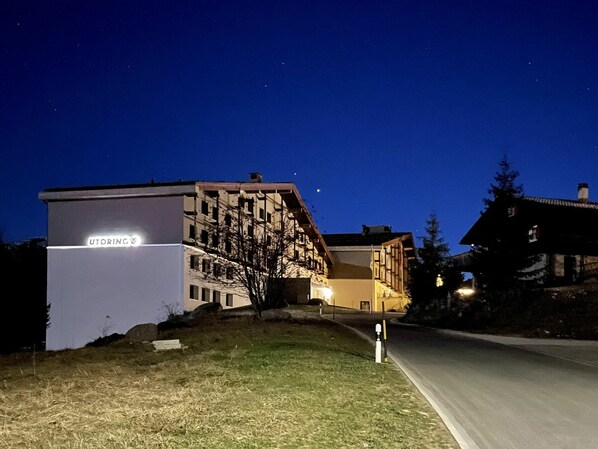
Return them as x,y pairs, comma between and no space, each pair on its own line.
561,203
564,225
287,190
368,240
359,239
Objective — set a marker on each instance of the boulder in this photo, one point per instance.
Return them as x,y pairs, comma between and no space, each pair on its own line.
210,308
142,332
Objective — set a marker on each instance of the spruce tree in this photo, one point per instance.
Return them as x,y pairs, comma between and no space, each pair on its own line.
434,275
503,264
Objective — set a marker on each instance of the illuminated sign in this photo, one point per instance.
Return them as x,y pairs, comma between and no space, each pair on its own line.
107,241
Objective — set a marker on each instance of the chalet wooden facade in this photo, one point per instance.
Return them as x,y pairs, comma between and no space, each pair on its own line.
563,232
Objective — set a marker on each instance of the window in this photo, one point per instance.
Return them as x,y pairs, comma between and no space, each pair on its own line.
296,255
229,299
205,266
364,305
262,214
227,245
216,296
229,273
205,294
533,234
250,207
217,269
228,220
215,240
204,208
194,262
269,217
193,291
268,240
192,232
204,237
250,231
215,214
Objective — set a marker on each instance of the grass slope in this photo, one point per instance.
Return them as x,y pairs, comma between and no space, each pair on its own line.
240,384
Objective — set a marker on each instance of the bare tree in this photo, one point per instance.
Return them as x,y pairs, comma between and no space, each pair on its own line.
258,254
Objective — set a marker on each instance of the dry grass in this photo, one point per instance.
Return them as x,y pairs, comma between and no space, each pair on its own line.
238,385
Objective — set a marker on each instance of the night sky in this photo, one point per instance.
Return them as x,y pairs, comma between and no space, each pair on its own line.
381,112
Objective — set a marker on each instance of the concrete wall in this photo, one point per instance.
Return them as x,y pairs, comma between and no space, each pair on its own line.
98,291
349,292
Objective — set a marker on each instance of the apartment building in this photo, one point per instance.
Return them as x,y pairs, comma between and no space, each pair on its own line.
128,254
371,268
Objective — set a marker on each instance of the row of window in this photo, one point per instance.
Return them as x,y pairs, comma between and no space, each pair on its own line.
243,203
207,294
208,267
204,238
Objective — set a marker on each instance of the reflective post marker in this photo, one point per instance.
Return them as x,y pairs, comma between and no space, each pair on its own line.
378,344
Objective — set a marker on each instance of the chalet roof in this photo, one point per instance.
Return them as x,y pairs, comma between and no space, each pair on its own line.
560,203
564,218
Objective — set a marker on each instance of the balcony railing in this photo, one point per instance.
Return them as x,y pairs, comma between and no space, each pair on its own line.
589,270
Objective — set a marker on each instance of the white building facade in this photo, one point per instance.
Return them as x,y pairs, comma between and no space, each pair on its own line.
124,255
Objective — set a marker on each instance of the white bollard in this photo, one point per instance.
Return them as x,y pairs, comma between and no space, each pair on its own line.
378,344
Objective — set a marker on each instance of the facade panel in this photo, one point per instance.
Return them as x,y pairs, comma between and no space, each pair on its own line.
157,220
95,292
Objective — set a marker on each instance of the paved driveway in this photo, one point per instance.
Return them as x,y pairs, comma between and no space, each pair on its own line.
522,394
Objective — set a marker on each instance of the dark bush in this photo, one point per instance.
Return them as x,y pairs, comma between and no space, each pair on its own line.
105,341
24,319
317,302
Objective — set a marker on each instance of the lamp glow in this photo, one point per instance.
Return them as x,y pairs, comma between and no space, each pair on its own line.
465,291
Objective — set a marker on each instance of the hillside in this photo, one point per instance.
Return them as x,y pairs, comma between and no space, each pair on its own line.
557,312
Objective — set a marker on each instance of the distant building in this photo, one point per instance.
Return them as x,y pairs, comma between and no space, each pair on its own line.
371,267
128,254
564,233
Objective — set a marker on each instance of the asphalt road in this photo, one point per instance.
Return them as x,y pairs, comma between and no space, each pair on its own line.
497,396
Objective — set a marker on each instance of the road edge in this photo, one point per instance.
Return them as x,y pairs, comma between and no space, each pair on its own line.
460,435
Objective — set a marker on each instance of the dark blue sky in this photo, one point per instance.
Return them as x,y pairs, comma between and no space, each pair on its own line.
392,109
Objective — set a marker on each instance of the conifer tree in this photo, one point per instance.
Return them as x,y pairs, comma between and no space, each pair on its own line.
503,264
434,275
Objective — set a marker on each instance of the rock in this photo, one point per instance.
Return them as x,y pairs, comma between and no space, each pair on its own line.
142,332
210,308
276,315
